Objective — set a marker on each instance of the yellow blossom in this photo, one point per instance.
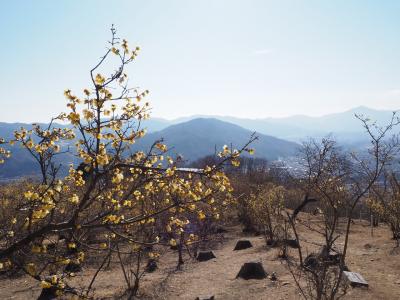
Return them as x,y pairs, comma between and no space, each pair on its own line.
45,285
74,199
201,215
99,79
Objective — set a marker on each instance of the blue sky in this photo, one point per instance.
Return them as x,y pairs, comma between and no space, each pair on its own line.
242,58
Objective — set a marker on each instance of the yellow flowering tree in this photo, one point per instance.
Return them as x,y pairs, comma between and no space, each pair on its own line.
4,154
266,206
116,200
385,202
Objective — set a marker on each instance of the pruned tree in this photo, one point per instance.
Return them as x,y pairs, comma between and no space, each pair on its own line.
338,181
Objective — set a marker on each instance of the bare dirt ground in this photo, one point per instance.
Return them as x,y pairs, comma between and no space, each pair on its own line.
371,256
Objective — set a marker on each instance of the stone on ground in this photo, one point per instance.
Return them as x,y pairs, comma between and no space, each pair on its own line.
291,243
312,261
73,267
205,255
151,266
252,270
243,244
355,279
208,297
48,294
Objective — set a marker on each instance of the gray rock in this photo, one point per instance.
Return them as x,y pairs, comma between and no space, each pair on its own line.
252,270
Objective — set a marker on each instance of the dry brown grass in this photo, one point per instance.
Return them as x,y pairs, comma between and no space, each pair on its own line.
372,256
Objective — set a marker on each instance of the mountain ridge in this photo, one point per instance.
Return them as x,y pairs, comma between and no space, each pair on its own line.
193,140
200,137
181,134
296,128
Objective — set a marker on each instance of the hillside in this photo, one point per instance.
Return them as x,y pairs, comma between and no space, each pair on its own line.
199,137
193,139
344,126
21,163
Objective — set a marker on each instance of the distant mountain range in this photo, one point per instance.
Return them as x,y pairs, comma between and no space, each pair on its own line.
345,127
192,140
197,136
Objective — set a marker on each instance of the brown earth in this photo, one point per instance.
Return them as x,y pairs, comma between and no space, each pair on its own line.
371,256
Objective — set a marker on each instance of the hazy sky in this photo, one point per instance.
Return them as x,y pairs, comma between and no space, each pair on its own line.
242,58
